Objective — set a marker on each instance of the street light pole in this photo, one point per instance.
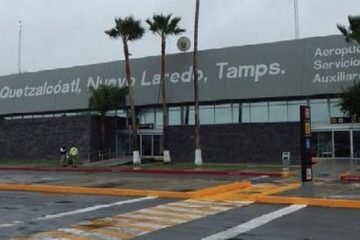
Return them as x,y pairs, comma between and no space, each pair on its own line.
296,18
19,47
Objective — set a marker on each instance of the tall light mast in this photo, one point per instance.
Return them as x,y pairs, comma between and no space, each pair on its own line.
19,47
296,18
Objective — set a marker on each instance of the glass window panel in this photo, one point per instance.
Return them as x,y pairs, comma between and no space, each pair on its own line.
245,112
175,116
223,113
278,111
191,114
158,118
335,108
59,114
146,116
322,144
110,113
294,110
207,114
319,111
235,112
259,112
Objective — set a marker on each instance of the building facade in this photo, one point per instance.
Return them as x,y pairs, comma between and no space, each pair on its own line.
250,98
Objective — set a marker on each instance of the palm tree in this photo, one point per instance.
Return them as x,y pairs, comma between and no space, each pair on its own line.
105,98
352,34
350,101
198,157
164,26
129,29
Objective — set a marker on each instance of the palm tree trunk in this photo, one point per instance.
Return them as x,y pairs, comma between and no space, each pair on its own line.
102,132
164,105
198,158
132,105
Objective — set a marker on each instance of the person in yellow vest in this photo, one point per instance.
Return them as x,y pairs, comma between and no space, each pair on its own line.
73,154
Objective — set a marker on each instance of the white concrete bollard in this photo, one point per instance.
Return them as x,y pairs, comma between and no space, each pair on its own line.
198,157
167,158
136,158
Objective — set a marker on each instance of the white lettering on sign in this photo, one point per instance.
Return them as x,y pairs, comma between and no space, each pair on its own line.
327,52
255,71
342,60
73,87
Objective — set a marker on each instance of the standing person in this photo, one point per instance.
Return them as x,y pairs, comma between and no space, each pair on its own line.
73,153
63,156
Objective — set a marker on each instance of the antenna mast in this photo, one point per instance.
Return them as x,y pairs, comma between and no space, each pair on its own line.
296,18
19,46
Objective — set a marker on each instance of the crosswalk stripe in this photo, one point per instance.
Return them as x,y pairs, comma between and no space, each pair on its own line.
222,203
109,232
182,210
156,217
127,230
139,222
56,236
167,213
154,221
201,204
198,205
214,203
201,208
133,224
78,232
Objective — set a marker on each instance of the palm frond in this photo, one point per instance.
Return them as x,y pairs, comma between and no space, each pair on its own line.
127,28
113,33
105,98
164,25
352,33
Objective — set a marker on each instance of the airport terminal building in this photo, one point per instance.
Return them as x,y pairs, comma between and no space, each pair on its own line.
249,95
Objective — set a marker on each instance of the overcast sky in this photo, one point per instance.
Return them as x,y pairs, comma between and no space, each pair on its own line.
64,33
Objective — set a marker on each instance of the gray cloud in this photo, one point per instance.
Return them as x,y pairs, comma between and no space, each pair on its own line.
63,33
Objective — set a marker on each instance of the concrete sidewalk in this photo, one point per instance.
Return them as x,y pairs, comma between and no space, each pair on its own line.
140,169
222,185
343,169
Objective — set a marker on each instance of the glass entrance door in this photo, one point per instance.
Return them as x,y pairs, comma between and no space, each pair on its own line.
151,144
342,144
336,143
356,143
146,145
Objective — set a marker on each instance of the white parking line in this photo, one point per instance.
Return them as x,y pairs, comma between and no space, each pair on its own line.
254,223
88,209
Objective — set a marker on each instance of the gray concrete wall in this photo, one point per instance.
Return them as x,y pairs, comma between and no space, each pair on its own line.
240,143
41,138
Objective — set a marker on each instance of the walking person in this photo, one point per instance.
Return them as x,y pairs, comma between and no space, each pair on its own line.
73,153
63,156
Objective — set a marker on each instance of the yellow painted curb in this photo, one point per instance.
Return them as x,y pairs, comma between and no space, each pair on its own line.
343,175
94,191
124,192
317,202
220,189
285,174
280,189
